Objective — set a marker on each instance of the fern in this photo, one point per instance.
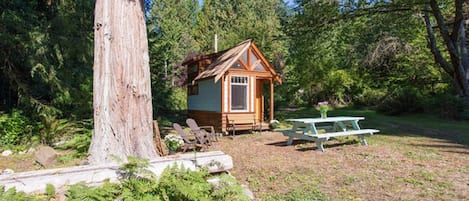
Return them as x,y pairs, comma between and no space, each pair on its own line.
80,192
229,189
12,194
180,184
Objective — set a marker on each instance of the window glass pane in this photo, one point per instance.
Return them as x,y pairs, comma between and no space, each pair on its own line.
259,67
244,57
239,97
237,65
239,80
253,59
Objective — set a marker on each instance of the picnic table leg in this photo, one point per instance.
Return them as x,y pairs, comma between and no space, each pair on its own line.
290,140
342,126
362,139
319,144
355,125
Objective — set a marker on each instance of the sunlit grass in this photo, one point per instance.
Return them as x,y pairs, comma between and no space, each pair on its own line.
416,124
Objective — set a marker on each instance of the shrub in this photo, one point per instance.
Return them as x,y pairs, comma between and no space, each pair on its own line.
12,194
370,97
137,183
79,192
180,184
14,127
447,106
403,101
79,144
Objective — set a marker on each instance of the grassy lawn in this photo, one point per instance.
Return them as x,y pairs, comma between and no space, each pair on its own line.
414,157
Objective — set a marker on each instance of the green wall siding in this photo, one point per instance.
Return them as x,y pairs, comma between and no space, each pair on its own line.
208,99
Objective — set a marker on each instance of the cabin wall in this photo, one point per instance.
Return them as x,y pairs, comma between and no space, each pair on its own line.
205,118
209,97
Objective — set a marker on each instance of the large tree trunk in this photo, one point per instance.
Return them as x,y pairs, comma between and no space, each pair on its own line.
121,83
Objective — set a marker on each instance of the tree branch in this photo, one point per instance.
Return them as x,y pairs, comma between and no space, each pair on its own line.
444,30
458,17
433,46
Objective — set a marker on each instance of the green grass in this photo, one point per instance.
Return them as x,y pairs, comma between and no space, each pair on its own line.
426,125
415,140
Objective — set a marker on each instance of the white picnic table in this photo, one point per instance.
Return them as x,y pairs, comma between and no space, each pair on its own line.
307,129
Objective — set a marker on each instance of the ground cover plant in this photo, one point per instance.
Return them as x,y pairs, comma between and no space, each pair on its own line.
176,183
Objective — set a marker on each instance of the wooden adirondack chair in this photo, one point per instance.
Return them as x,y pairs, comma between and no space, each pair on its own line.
188,142
201,130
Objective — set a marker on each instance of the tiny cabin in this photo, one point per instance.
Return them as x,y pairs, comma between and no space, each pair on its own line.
226,89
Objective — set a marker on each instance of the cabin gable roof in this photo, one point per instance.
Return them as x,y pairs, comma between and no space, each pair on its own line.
223,61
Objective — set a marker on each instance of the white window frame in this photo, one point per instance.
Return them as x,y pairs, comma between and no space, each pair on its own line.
244,81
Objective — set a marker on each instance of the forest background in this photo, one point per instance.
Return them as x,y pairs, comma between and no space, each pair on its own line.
377,54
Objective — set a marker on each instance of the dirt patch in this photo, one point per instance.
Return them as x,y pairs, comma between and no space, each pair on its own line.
390,168
27,162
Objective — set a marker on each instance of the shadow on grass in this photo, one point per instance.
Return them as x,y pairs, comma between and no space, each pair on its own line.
452,148
424,125
309,145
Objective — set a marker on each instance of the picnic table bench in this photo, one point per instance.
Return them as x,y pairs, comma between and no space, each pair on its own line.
307,129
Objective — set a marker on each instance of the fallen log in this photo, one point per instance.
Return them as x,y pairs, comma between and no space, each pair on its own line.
92,175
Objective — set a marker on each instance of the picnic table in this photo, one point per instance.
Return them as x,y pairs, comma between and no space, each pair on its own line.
307,129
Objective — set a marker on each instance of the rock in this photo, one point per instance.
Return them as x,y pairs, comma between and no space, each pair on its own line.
59,143
7,153
46,156
84,162
8,171
215,182
248,192
30,150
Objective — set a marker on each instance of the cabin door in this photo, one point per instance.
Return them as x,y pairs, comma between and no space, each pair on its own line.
259,103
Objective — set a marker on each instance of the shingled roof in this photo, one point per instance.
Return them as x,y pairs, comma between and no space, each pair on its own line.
224,61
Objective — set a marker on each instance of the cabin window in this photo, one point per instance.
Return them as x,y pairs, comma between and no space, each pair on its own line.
239,93
193,90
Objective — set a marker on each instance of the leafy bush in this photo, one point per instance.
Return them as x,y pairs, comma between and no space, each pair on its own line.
12,194
14,128
180,184
447,106
50,191
137,183
403,101
52,129
80,142
370,97
80,192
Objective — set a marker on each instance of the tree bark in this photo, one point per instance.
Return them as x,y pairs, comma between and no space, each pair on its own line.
451,42
121,83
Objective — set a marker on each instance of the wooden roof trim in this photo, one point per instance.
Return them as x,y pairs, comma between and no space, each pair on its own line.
222,61
230,63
